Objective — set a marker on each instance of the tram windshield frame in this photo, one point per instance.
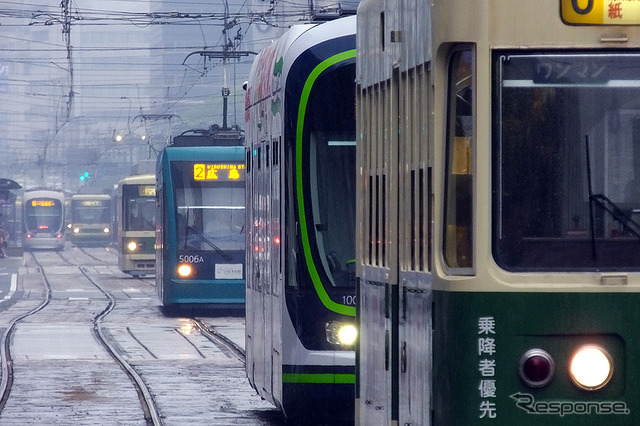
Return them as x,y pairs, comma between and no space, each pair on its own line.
90,211
566,161
139,210
326,170
210,214
43,215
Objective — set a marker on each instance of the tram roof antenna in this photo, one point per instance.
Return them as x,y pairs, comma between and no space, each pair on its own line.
329,13
213,136
225,55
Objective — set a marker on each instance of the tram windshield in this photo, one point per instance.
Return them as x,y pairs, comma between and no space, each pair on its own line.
43,215
328,168
566,161
90,211
210,205
139,207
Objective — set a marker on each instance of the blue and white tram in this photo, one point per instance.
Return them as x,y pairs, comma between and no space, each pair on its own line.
43,213
136,212
200,237
300,320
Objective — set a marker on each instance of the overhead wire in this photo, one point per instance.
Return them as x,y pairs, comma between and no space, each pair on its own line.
196,82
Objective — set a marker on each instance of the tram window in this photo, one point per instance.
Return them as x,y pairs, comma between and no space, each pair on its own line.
90,211
276,146
259,158
210,213
140,211
43,215
371,223
266,155
459,169
557,205
382,31
329,156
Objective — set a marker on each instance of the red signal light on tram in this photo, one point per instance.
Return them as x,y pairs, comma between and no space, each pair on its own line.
276,240
536,368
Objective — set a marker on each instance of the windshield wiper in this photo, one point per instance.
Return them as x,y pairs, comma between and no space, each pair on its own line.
606,204
617,213
207,241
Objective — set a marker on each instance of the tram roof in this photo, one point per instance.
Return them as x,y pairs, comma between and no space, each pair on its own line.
211,137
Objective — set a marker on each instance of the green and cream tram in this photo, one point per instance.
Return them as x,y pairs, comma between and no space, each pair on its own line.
136,213
498,250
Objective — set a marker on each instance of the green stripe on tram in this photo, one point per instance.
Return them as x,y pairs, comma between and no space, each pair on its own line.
319,378
302,109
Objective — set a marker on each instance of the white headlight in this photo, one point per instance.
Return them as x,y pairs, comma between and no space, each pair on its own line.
76,230
106,230
339,333
132,246
347,334
591,367
184,270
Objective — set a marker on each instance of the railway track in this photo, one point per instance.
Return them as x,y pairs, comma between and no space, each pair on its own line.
5,353
149,369
151,413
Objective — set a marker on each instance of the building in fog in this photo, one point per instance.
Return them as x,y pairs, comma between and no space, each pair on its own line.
95,86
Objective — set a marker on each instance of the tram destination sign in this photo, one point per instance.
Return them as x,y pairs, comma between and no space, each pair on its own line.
600,12
93,203
218,171
43,203
147,190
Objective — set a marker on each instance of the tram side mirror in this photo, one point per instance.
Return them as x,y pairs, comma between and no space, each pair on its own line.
244,85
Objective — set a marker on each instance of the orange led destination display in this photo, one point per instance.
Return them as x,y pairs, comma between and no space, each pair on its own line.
601,12
218,171
147,191
43,203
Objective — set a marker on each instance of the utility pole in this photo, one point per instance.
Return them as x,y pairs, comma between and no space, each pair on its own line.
228,52
66,35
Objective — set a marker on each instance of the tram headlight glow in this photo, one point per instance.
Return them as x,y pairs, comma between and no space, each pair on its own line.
342,334
106,230
132,246
184,270
76,230
591,367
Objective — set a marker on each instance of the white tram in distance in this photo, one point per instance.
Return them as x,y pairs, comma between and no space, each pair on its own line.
43,216
91,219
136,213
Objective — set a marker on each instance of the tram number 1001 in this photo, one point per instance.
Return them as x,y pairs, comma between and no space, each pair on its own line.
190,258
349,300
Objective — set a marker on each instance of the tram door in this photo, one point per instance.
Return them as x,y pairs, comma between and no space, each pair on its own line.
378,289
415,301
